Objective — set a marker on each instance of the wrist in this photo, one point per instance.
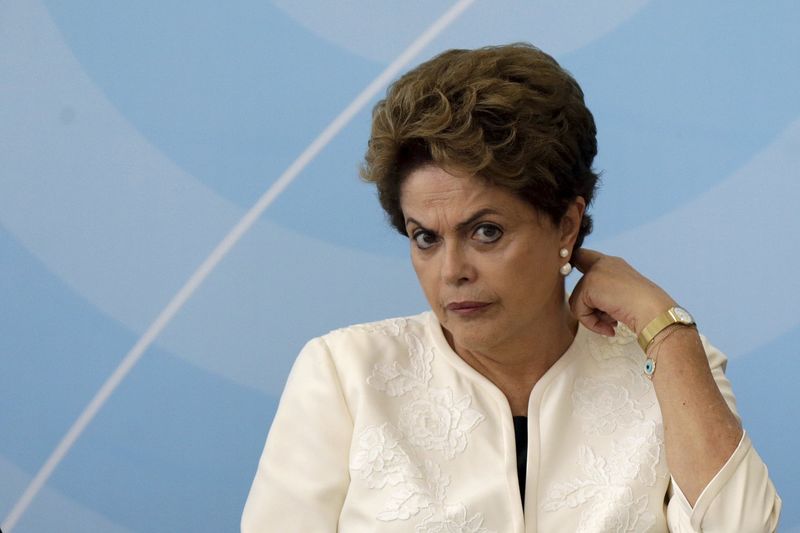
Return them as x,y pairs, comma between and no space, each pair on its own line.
672,316
665,336
651,309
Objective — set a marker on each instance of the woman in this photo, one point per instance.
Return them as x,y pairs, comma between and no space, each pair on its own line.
507,407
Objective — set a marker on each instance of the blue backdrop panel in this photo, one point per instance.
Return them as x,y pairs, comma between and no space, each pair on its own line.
134,136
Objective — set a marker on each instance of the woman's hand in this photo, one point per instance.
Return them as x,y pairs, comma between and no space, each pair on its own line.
611,291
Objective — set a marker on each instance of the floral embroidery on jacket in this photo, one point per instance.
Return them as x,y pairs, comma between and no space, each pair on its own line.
609,351
613,403
636,455
621,513
603,404
622,335
424,488
435,422
392,327
604,488
380,458
430,420
396,380
454,520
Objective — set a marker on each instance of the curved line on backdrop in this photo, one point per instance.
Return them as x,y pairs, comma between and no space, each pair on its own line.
227,243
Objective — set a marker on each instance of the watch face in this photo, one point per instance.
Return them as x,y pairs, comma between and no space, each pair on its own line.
683,315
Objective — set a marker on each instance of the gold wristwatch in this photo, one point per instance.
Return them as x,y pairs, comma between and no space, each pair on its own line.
673,315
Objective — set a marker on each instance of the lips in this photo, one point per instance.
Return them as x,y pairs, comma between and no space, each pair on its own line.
467,307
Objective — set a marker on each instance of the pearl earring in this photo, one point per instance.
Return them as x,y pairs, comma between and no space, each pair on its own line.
565,268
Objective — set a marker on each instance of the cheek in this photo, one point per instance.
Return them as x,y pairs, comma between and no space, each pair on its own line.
426,274
525,274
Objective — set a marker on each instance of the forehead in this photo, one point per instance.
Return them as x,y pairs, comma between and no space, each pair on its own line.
433,190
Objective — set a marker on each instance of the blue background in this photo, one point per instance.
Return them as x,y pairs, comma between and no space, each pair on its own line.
134,135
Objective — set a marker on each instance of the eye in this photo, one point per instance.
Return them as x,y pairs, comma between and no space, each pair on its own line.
488,233
424,239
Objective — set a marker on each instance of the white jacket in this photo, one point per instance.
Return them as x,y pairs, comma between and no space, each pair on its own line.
382,427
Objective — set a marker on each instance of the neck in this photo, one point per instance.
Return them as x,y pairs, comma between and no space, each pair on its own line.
516,367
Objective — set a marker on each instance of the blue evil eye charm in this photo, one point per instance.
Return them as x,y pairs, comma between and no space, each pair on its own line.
649,367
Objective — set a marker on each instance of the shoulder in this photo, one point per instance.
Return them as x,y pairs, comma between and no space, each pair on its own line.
390,330
367,362
364,345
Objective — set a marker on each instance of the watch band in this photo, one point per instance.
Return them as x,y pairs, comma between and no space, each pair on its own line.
673,315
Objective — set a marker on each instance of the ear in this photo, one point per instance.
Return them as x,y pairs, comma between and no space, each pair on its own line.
571,222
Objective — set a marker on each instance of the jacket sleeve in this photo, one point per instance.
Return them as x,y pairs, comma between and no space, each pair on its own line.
741,497
303,474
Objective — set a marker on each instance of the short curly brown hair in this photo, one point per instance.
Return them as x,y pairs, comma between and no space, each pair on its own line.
509,114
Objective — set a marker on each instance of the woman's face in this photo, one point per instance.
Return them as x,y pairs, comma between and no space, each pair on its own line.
487,261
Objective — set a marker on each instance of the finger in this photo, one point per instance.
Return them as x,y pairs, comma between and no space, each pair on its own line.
575,299
606,318
593,319
584,258
595,322
582,310
604,328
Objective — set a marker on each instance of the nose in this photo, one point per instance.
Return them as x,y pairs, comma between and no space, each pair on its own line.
456,268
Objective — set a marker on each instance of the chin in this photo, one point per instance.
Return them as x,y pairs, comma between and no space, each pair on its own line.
473,336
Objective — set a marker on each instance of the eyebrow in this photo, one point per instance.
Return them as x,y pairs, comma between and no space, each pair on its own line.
461,225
